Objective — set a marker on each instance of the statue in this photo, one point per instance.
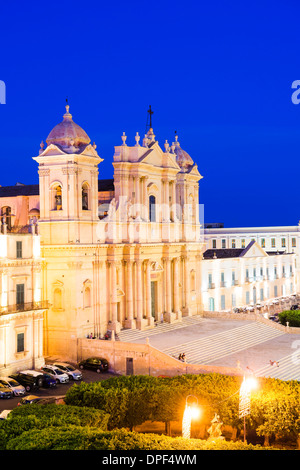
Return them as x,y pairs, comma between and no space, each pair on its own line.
112,209
215,428
129,209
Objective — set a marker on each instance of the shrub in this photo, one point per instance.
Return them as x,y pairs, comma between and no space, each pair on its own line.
38,417
76,438
290,316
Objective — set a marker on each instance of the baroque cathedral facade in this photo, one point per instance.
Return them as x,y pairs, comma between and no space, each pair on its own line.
102,255
121,253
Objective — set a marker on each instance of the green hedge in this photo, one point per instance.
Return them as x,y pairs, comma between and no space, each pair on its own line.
290,316
33,417
76,438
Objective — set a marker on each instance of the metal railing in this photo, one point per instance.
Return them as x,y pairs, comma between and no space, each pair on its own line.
24,307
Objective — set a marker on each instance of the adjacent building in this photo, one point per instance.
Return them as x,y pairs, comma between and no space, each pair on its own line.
262,262
21,305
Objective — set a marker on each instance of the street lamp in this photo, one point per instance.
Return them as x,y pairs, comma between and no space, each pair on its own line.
191,411
247,386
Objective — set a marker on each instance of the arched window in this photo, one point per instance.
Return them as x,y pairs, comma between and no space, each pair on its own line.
85,197
87,297
152,209
57,197
6,216
57,298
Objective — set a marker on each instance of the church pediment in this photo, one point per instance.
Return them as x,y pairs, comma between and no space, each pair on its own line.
51,150
90,151
195,172
57,283
156,267
156,157
253,250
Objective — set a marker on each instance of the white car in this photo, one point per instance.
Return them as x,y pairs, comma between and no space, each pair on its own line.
73,373
57,374
18,389
4,414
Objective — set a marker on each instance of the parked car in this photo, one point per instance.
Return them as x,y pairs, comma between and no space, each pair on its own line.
13,385
295,307
48,381
4,414
29,399
55,373
73,373
99,364
30,379
5,392
37,400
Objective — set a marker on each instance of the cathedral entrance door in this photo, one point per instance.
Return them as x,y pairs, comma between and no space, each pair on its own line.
153,298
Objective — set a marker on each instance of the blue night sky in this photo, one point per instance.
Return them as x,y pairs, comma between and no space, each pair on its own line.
220,73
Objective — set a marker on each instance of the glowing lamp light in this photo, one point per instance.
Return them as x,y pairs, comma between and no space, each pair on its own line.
192,411
249,384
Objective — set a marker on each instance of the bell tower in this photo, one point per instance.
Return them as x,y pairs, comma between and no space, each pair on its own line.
68,181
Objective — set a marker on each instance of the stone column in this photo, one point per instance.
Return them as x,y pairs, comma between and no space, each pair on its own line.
113,298
137,197
145,200
196,202
176,285
173,214
166,212
148,289
129,322
139,294
168,293
186,273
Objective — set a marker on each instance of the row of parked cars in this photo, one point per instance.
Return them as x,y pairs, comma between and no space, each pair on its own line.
49,376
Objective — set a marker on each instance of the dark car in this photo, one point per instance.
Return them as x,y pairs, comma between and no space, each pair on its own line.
98,364
295,307
36,400
48,381
29,379
5,392
29,399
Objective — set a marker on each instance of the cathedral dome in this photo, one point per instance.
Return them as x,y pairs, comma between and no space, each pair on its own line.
182,157
67,134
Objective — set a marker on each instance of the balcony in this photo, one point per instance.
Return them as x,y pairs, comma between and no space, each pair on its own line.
25,307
